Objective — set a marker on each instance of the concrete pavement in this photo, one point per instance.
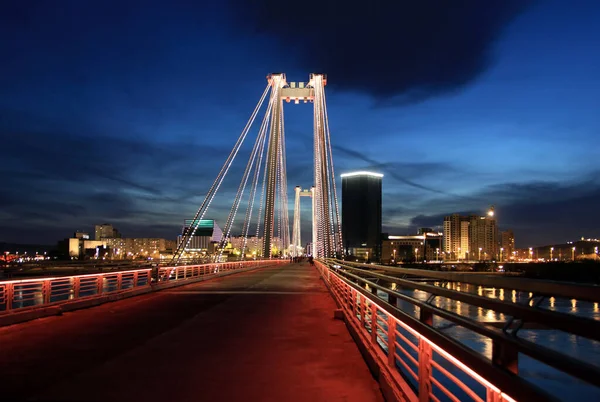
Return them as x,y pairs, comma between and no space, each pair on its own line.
264,335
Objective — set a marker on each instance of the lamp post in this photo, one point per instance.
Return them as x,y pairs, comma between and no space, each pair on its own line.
573,254
551,250
417,253
367,256
479,257
530,253
501,250
394,256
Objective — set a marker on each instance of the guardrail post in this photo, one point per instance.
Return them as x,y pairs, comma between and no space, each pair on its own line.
424,370
119,281
135,279
505,356
373,323
100,284
76,287
9,291
492,396
391,341
392,300
46,289
426,317
363,311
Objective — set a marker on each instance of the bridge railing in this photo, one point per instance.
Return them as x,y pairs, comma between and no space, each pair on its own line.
182,272
425,364
32,293
28,294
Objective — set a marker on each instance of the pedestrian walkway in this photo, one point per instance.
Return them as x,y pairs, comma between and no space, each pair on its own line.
263,335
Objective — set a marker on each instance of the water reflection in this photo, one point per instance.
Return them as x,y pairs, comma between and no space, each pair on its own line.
540,374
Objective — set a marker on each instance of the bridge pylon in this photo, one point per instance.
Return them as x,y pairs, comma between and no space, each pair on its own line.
266,170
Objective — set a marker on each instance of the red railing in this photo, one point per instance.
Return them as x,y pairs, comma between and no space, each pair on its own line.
422,370
28,294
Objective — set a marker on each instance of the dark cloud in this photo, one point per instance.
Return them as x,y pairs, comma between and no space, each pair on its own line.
57,182
406,49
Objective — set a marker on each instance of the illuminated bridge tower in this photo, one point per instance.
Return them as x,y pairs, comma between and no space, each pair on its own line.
296,246
269,147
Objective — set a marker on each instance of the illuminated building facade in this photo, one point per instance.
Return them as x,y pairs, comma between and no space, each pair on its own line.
483,237
456,236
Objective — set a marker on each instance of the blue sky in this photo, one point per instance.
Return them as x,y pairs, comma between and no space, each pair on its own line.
123,112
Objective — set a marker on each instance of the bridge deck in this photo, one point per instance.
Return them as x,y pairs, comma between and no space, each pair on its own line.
264,335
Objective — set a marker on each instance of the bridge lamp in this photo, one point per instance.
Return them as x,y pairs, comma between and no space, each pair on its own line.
551,250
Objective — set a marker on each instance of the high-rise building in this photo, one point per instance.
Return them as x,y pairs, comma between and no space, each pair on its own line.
483,237
361,214
507,245
456,236
106,231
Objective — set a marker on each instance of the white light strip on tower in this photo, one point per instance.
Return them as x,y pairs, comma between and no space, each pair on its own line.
361,174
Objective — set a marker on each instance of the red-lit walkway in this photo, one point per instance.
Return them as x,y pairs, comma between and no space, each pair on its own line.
264,335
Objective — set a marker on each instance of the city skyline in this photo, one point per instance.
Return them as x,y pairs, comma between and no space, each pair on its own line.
127,119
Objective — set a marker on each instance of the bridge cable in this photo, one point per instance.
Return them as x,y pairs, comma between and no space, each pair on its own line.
191,230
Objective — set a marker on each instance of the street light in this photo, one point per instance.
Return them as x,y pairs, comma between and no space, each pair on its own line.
551,250
530,253
501,250
417,253
573,254
394,255
479,254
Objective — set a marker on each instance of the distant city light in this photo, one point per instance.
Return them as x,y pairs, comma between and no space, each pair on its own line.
361,173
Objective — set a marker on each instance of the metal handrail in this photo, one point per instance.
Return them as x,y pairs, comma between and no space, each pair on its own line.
501,339
567,290
29,294
562,321
361,305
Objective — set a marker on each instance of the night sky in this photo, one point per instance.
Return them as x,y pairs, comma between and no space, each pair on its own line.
123,111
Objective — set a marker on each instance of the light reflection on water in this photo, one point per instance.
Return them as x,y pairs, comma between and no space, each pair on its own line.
557,383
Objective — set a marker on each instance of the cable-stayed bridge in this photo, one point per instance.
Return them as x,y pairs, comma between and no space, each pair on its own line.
267,330
263,185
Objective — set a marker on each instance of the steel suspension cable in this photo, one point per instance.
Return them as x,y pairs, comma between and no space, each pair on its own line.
256,178
240,193
186,238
